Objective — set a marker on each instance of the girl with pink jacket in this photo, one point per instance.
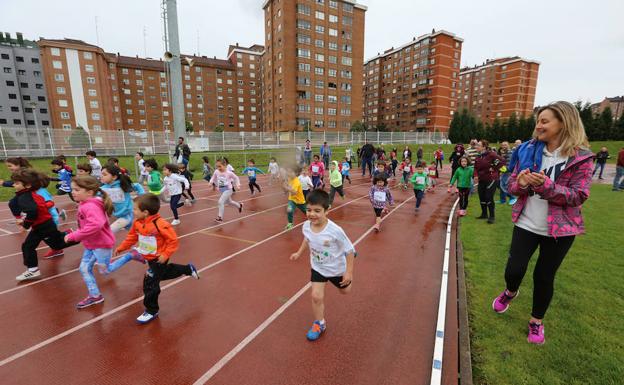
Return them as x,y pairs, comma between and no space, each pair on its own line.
551,178
224,180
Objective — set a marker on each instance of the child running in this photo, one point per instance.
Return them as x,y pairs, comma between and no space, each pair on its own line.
433,175
118,187
306,181
231,169
225,180
463,175
83,169
207,169
406,171
381,198
296,199
96,166
155,241
175,184
317,170
37,218
251,171
346,167
64,177
185,172
273,171
335,182
154,182
419,182
141,163
331,257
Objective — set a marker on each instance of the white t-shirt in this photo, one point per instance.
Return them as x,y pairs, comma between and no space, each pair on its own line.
96,167
305,181
174,182
535,213
230,168
328,249
141,163
273,168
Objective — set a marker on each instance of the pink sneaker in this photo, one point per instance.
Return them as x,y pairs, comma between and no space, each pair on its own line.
536,334
501,303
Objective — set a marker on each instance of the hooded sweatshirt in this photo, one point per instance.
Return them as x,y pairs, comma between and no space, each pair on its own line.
335,177
122,201
93,229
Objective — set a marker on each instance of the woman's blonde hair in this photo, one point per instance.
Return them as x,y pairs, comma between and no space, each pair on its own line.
572,132
89,183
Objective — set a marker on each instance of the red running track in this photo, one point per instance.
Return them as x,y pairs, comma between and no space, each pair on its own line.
381,333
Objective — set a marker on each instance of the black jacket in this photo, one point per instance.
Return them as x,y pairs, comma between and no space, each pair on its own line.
186,151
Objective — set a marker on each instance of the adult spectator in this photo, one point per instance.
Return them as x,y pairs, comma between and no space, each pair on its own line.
326,155
359,155
487,166
182,152
505,152
349,156
552,180
366,153
419,154
619,172
472,151
601,160
307,152
407,153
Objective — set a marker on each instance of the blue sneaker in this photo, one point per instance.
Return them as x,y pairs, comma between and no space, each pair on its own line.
194,272
315,331
146,317
513,201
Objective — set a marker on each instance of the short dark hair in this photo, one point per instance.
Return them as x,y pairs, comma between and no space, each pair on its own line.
85,167
180,137
380,177
148,202
57,162
151,163
318,198
113,160
420,164
28,176
205,159
139,153
90,153
251,161
381,163
173,168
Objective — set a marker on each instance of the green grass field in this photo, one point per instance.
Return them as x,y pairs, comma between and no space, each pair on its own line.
584,324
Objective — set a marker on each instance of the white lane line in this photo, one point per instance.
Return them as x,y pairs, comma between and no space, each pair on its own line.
39,281
6,232
136,300
232,353
438,349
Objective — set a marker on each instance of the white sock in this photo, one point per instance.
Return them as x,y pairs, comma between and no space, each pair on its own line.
33,269
322,322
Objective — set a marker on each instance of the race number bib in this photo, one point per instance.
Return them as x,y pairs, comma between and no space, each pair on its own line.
221,181
147,244
420,180
380,196
116,194
315,168
432,172
251,173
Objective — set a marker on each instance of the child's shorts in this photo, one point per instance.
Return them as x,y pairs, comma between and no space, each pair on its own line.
378,211
318,277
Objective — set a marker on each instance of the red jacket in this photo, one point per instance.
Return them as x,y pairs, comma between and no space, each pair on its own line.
487,165
620,161
31,204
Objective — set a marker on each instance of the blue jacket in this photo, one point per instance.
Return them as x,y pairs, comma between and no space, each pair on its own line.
122,201
325,153
65,177
251,172
527,155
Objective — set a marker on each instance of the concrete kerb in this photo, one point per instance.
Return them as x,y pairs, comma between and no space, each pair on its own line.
465,357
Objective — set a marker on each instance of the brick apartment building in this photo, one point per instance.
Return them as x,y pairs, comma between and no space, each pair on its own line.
499,88
97,90
616,104
413,87
312,73
23,99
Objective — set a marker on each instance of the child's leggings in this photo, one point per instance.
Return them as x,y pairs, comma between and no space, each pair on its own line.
316,181
290,210
346,176
252,184
419,194
226,198
175,204
464,193
190,193
101,257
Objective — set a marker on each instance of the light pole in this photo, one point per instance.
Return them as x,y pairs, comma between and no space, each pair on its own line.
33,105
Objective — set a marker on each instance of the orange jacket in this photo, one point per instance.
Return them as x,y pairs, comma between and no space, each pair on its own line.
154,225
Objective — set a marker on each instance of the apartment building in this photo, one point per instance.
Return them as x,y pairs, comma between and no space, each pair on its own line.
97,90
312,75
499,88
414,87
23,99
616,104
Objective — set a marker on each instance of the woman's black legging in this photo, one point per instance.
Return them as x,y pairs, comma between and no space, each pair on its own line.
464,193
551,254
486,196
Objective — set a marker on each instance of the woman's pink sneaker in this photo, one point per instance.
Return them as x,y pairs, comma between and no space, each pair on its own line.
536,334
501,303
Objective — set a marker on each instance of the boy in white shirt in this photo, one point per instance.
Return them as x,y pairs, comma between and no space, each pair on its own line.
96,166
331,256
306,181
142,172
273,171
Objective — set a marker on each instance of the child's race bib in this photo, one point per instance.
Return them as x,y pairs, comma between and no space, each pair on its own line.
147,244
116,194
420,180
315,168
251,173
432,173
221,181
380,196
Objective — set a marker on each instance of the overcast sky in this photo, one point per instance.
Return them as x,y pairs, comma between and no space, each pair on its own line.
580,44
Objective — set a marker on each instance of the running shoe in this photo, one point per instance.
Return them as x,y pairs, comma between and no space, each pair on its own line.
146,318
53,253
536,334
377,227
90,301
28,275
63,215
289,226
315,331
187,202
501,303
219,220
240,208
175,222
194,272
513,201
490,220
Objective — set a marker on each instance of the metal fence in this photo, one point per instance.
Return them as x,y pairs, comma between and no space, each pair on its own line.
48,142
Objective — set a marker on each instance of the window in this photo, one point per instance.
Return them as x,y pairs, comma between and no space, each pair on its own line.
21,72
347,7
303,24
346,99
94,104
89,67
64,115
332,72
331,111
333,59
333,46
60,90
10,83
333,32
319,15
319,70
5,56
41,98
319,57
318,98
95,116
333,4
87,55
319,43
346,61
34,60
57,64
320,84
92,92
319,29
13,96
333,18
43,110
91,80
347,20
303,53
37,74
8,70
17,121
303,39
23,85
26,97
318,110
55,51
15,109
304,9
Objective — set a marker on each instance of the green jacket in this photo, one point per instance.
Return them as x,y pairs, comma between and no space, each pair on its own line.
153,182
335,177
463,176
421,177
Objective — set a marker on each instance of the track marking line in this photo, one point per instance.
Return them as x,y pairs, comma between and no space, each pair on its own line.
136,300
232,353
213,234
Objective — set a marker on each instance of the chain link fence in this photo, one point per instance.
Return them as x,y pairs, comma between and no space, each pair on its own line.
48,142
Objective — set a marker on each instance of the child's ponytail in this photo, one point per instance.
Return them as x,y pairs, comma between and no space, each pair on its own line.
108,203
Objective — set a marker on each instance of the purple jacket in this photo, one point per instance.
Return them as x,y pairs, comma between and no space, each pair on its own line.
93,229
565,196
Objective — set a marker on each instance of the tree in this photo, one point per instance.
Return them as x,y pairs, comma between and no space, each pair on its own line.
604,125
79,138
189,126
618,129
587,116
219,128
357,126
382,127
456,134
